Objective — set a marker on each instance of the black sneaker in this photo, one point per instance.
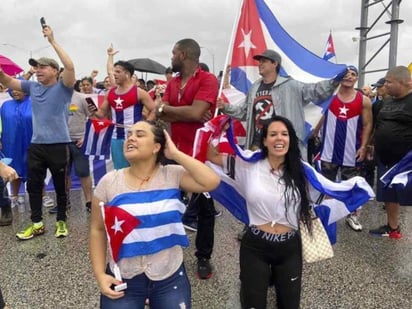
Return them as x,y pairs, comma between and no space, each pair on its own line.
204,269
191,226
386,231
89,206
218,213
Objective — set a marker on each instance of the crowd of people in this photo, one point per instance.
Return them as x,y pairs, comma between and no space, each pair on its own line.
155,173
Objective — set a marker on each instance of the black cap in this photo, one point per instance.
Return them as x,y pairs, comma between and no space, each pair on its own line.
379,83
44,61
269,54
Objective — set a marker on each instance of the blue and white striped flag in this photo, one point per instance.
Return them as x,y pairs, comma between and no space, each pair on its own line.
345,196
258,30
158,224
400,175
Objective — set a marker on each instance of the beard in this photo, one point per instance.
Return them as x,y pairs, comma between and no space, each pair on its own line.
176,67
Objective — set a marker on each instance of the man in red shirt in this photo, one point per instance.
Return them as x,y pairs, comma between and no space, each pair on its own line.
188,97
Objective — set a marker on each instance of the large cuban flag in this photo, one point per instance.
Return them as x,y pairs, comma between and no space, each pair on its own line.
344,197
258,30
142,223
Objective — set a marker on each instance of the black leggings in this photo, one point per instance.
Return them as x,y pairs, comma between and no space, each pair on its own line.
267,259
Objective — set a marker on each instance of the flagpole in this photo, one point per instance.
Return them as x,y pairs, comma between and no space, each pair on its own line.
231,42
336,57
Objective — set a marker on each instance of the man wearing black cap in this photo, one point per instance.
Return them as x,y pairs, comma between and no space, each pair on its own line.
277,95
50,98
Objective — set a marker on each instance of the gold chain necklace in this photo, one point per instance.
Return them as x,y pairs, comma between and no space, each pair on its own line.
143,180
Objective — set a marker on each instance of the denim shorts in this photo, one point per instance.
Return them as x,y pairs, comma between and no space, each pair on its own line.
79,161
330,171
173,292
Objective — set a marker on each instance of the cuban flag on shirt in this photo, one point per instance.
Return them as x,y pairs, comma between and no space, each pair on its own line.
258,30
330,48
343,127
346,196
143,223
125,112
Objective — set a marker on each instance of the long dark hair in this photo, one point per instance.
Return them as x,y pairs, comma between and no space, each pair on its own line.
294,175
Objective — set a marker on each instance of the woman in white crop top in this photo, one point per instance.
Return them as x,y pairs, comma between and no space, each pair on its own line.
136,212
276,196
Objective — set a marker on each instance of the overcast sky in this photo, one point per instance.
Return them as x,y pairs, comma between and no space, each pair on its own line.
140,29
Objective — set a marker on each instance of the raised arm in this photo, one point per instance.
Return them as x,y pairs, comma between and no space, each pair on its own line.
198,177
110,61
68,75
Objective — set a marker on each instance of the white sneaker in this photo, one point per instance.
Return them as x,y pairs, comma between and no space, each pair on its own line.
48,201
353,222
13,201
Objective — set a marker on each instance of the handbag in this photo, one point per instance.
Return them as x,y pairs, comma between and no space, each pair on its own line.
316,246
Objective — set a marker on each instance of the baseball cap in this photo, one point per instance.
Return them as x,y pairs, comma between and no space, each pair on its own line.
44,61
353,68
379,83
269,54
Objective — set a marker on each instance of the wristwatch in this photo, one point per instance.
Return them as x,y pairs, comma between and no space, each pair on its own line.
160,108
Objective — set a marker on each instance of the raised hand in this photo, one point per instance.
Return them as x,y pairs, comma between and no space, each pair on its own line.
111,51
170,147
48,33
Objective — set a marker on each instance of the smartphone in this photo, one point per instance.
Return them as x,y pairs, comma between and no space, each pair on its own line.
92,106
43,22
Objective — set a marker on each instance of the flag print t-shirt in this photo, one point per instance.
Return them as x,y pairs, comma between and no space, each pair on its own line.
158,210
263,109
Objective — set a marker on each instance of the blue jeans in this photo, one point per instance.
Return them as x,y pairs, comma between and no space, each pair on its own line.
164,294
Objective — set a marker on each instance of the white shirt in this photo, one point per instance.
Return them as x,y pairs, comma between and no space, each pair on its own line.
264,192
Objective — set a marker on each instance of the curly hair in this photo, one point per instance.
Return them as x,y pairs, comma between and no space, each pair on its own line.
159,137
294,175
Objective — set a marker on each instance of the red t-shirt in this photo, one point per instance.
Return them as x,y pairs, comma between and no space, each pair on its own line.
201,86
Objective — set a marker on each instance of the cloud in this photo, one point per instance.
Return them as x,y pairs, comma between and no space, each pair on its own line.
85,28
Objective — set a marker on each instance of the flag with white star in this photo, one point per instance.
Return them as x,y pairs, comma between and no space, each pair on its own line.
119,223
258,30
144,222
97,138
330,48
